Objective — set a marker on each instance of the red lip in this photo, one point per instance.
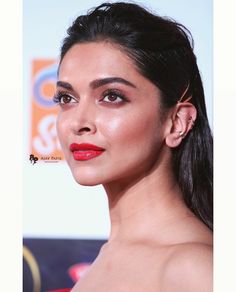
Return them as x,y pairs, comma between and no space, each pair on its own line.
85,151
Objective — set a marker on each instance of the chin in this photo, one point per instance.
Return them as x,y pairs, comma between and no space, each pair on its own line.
86,179
87,183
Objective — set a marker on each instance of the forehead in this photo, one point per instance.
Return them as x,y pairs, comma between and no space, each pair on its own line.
101,58
84,63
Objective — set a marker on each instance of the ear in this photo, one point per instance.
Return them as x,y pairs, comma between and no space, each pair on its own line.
183,118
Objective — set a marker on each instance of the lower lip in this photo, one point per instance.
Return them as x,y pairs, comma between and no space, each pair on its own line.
86,154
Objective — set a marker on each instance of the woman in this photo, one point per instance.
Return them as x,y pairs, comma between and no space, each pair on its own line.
133,119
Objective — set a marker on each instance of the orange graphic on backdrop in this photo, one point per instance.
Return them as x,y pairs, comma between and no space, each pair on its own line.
44,141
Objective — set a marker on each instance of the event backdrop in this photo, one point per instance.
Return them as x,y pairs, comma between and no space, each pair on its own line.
64,224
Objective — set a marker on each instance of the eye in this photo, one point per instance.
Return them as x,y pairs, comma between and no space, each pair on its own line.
64,98
113,96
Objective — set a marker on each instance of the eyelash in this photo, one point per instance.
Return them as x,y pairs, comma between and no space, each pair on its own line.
57,98
116,93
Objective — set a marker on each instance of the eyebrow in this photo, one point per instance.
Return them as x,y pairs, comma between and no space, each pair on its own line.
98,83
65,85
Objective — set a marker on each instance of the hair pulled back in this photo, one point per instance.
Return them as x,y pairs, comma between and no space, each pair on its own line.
162,51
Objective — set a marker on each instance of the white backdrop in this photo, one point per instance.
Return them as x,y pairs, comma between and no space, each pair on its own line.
53,204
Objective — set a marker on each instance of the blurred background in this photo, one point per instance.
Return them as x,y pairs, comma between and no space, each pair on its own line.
64,224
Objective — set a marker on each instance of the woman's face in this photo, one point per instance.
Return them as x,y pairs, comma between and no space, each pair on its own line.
106,102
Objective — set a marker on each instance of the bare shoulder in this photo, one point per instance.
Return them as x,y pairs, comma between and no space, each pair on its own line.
189,268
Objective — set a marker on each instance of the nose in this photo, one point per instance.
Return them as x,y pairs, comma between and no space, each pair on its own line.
83,120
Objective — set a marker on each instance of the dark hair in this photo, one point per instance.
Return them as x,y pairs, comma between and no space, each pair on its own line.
162,51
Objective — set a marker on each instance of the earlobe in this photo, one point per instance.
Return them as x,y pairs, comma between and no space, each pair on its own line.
183,118
173,139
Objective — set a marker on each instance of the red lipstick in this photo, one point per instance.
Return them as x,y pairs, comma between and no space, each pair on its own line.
85,151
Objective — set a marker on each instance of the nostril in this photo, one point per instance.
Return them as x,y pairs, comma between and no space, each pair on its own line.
85,129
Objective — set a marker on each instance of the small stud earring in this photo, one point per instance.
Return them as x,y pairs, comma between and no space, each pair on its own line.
181,134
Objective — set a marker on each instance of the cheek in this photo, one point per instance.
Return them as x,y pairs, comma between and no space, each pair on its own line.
131,130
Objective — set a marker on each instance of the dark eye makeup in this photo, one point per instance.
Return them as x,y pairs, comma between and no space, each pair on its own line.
109,96
63,97
113,96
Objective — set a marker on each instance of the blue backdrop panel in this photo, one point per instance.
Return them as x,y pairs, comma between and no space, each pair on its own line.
51,264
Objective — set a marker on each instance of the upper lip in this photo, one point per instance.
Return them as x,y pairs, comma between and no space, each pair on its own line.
85,146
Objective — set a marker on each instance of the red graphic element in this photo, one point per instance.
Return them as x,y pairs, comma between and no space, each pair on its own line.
77,271
60,290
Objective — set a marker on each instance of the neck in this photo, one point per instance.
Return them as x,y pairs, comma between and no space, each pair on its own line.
148,202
